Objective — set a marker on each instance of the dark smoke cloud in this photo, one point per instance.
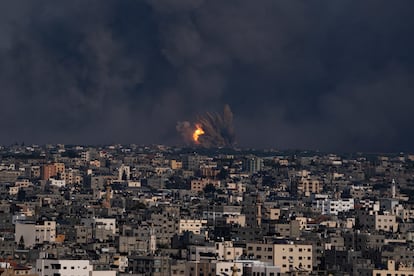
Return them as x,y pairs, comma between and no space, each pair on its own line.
218,130
330,75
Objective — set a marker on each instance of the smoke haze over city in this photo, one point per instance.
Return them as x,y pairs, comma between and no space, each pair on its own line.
328,75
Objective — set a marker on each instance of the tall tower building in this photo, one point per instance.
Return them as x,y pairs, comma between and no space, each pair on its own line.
393,189
253,164
259,204
192,162
252,209
47,171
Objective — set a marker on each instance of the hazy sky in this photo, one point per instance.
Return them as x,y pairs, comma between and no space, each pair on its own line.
328,75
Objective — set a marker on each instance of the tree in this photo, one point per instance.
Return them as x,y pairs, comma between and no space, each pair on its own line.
124,176
21,195
223,174
21,244
209,189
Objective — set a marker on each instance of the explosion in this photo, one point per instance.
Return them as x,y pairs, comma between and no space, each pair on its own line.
197,132
210,130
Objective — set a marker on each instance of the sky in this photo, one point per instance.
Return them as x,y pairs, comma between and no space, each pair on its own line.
328,75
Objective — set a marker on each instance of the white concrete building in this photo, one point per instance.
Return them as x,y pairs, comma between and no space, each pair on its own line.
101,223
57,182
226,251
333,207
124,172
50,267
35,232
254,267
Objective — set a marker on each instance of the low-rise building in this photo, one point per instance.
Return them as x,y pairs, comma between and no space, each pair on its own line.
31,232
289,256
394,268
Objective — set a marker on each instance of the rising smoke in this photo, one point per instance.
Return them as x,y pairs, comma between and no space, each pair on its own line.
211,130
127,71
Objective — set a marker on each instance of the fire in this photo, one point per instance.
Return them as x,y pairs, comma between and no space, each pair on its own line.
197,133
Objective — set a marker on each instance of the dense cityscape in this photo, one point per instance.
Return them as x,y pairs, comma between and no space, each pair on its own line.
160,210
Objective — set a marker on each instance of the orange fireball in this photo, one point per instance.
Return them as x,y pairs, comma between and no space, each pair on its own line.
197,133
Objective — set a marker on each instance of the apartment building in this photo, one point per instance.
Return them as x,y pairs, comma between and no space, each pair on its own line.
333,207
394,269
193,225
289,256
48,171
32,233
386,222
48,267
198,185
225,250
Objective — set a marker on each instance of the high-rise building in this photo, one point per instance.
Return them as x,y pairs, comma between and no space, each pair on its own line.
252,208
191,162
253,164
48,171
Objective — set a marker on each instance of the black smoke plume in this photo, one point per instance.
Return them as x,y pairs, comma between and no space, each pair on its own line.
110,71
218,130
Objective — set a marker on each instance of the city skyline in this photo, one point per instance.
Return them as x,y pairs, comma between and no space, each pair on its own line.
330,76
